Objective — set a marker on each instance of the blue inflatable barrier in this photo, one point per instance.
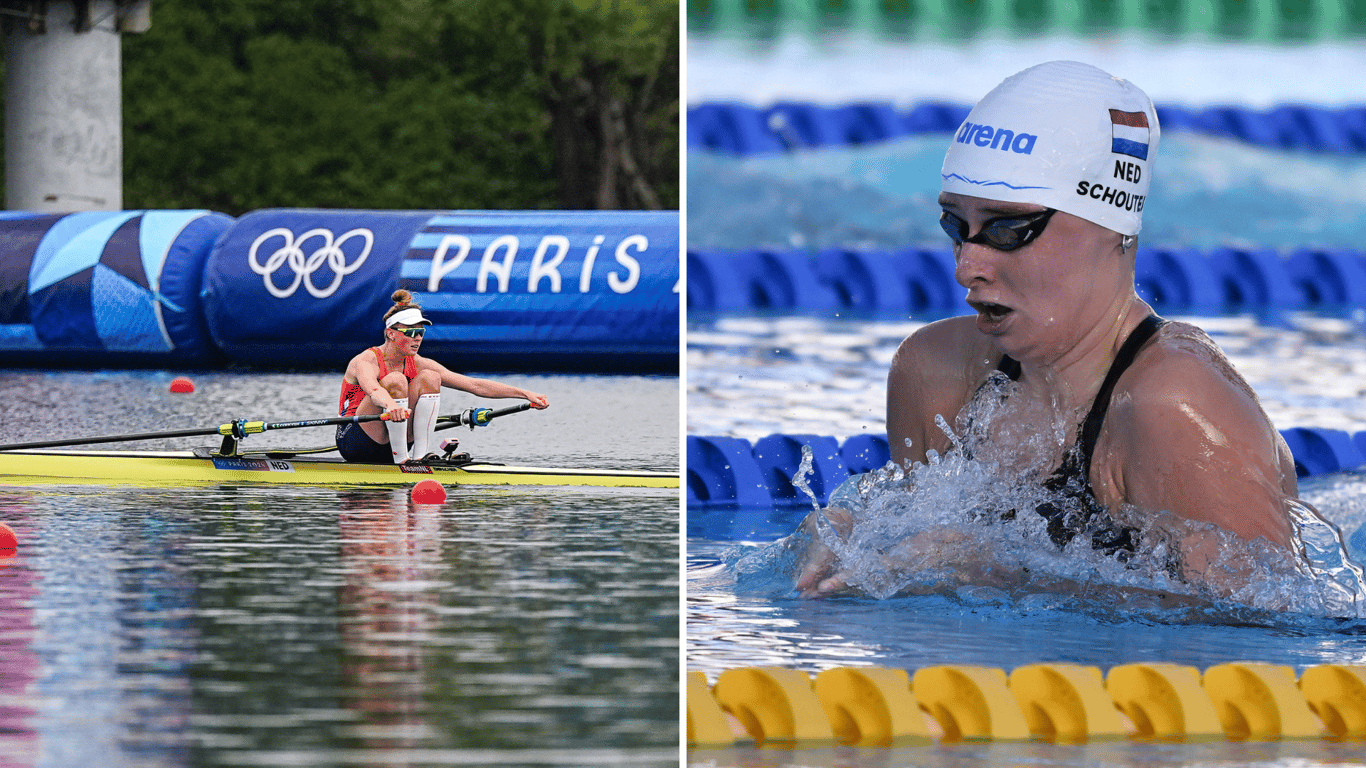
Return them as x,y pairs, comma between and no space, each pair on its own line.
505,290
108,288
722,471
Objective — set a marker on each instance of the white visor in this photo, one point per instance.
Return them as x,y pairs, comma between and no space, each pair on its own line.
409,316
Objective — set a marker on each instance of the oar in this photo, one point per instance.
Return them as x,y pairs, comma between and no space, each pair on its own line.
241,428
478,417
472,416
235,429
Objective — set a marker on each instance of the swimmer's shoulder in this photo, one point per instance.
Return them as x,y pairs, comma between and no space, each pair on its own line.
1182,368
946,352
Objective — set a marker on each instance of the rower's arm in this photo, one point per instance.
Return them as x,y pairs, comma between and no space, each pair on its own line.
485,388
366,374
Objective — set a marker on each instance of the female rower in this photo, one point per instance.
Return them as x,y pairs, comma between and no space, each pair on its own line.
1042,196
385,379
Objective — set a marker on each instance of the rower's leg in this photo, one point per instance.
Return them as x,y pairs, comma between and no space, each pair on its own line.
425,392
395,433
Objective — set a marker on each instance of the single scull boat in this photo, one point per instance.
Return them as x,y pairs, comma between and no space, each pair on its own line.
28,467
39,463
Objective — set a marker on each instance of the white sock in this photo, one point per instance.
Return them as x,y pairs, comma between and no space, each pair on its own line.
424,423
398,435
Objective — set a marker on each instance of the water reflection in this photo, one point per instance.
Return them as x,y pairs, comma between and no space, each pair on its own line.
325,626
18,661
391,558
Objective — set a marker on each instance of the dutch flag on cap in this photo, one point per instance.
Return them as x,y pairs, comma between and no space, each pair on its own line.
1130,133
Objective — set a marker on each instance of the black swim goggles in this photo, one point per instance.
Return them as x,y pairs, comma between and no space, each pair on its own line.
1004,233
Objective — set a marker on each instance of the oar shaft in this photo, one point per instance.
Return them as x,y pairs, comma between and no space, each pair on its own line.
109,439
242,428
236,428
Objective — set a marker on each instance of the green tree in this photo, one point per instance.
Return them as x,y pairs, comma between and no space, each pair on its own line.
236,105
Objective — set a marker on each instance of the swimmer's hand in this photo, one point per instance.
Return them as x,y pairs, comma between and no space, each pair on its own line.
815,574
936,550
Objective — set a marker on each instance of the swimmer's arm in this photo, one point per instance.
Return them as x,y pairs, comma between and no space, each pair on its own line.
1193,441
934,372
816,575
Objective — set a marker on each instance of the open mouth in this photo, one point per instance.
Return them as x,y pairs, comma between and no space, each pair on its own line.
992,313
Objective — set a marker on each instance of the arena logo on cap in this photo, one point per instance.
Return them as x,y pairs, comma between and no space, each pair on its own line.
1129,131
996,138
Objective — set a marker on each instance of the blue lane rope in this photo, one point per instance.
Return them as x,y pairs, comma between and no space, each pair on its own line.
730,472
744,129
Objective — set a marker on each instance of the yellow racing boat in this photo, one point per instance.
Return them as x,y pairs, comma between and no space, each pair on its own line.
42,463
200,467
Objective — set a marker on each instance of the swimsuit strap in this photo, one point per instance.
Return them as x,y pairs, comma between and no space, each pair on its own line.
1090,429
1072,478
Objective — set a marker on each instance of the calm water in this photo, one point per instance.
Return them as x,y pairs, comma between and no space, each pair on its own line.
305,626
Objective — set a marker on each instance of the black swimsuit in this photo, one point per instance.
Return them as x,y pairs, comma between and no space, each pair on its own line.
1077,508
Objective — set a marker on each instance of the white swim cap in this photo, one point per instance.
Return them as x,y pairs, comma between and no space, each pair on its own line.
1065,135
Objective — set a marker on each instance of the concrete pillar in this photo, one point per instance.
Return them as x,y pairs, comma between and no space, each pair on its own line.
64,111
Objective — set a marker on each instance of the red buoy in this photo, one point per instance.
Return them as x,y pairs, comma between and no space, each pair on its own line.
429,492
182,384
9,543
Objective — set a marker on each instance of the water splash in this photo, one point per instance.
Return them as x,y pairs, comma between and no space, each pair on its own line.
799,482
958,524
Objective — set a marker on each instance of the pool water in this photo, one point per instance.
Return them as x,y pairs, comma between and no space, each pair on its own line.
243,625
884,196
753,374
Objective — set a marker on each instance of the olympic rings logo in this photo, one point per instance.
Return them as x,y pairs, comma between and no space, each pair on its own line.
292,251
